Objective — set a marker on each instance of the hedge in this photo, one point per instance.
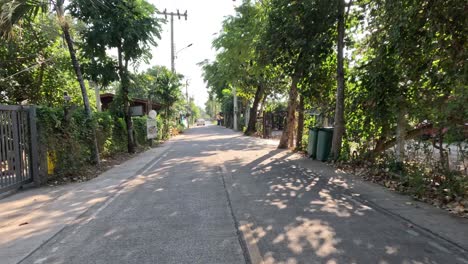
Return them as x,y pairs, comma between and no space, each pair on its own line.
68,139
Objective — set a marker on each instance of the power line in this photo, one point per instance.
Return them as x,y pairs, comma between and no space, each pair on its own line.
27,69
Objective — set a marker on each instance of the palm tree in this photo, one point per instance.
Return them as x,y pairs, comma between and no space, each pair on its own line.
12,12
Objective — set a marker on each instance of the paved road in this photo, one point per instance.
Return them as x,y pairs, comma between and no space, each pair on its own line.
218,197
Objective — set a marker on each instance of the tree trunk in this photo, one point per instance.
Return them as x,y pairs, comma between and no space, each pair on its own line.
288,130
300,123
166,124
252,128
84,93
293,133
262,107
401,134
236,110
444,159
126,103
339,129
383,145
261,111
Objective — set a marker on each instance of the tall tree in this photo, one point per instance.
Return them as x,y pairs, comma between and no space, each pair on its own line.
416,76
300,123
14,11
26,61
130,27
238,44
298,34
340,91
165,86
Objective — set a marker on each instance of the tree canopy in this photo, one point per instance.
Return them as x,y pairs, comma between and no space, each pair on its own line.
394,66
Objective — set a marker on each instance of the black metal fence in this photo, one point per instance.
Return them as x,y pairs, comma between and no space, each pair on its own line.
271,121
18,146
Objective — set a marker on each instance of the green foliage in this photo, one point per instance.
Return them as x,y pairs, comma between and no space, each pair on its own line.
424,183
212,107
195,111
35,66
130,26
403,57
180,128
139,124
69,139
405,64
13,11
111,133
417,69
162,134
276,106
164,86
240,63
299,33
66,140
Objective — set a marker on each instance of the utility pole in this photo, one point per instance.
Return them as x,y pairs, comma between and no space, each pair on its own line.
188,102
234,91
172,14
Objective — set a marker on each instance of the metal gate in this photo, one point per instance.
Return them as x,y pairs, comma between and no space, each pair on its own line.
18,146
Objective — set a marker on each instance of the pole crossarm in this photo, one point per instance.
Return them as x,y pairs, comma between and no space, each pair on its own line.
172,14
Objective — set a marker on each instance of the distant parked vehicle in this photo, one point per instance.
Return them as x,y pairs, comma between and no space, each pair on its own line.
200,122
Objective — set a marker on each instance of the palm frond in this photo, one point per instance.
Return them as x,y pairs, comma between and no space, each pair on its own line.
13,11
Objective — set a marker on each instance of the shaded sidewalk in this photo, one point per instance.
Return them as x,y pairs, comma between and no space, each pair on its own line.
297,210
30,218
436,221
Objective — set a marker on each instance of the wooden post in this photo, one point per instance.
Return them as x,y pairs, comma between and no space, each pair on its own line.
34,169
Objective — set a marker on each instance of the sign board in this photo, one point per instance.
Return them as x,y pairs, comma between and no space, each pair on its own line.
136,110
151,125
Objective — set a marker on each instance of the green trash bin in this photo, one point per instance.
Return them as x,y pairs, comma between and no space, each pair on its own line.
324,143
312,144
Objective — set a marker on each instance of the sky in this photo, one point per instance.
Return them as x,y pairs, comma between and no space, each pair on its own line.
205,18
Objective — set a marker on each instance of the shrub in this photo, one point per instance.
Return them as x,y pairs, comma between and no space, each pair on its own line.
68,138
65,137
139,128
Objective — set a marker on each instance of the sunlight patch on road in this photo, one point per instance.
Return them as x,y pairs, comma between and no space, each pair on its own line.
252,236
338,182
330,205
391,250
280,204
312,234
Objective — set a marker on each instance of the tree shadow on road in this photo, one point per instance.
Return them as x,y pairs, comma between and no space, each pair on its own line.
300,215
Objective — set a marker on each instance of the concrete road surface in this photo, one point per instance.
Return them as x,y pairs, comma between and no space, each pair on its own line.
218,197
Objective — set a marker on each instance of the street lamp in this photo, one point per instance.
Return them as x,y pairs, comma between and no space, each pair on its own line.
188,46
174,56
